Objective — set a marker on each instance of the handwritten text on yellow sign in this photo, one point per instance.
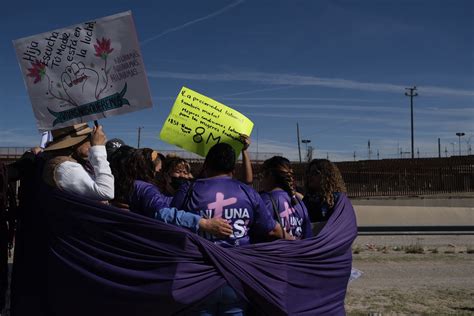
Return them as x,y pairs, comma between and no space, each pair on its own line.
197,122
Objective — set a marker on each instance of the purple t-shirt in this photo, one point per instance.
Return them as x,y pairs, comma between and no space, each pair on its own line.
294,218
230,199
146,199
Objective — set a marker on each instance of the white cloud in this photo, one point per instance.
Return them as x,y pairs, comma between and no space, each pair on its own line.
182,26
299,80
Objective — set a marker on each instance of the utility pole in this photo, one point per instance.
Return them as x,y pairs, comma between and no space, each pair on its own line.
446,151
306,142
354,156
460,134
139,135
378,155
309,153
411,94
368,147
298,136
439,147
418,152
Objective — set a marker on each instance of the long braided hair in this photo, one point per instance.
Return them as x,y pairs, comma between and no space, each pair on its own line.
331,180
282,172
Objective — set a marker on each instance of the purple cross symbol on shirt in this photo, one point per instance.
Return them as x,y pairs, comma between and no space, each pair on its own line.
220,203
286,213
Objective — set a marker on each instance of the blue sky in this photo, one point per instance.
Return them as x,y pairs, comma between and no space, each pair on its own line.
338,68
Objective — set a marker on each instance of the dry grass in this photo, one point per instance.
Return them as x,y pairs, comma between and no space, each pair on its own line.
401,281
396,301
357,249
415,249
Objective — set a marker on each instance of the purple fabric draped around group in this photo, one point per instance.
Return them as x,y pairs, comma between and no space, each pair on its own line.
77,257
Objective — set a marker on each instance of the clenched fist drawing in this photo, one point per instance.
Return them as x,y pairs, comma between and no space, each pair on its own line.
80,83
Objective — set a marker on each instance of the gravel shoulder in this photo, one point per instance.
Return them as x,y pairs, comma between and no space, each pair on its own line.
438,280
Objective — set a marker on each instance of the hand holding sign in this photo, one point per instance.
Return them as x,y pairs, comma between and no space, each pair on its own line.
245,140
98,136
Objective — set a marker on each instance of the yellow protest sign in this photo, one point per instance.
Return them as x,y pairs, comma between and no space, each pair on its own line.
196,123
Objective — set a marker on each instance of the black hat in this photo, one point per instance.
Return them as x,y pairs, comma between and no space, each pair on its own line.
112,145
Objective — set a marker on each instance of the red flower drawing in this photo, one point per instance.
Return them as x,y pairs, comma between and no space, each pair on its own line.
37,71
102,49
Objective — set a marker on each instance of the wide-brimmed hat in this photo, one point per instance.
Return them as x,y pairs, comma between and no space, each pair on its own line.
68,136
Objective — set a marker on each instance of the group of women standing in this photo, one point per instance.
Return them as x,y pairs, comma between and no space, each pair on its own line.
146,181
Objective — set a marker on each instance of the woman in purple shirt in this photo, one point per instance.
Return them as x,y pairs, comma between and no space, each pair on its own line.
279,195
134,171
218,195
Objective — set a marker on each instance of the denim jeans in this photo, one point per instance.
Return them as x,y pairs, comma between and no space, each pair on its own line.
223,301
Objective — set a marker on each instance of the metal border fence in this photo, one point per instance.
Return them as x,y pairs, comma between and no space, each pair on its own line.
402,177
386,177
394,177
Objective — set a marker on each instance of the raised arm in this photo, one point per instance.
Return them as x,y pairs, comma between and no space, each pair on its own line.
72,177
247,172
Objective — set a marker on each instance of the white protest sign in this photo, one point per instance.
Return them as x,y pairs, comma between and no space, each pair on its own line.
84,72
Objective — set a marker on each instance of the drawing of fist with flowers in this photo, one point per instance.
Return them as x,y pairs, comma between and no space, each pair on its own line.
80,83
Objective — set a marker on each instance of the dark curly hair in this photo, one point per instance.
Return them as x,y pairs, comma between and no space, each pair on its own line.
119,166
282,172
130,165
331,180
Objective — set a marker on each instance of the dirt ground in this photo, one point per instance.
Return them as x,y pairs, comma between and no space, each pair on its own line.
435,277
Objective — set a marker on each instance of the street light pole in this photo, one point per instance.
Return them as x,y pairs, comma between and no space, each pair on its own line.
411,94
460,134
306,142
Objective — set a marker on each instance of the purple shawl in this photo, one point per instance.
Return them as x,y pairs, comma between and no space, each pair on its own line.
79,257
